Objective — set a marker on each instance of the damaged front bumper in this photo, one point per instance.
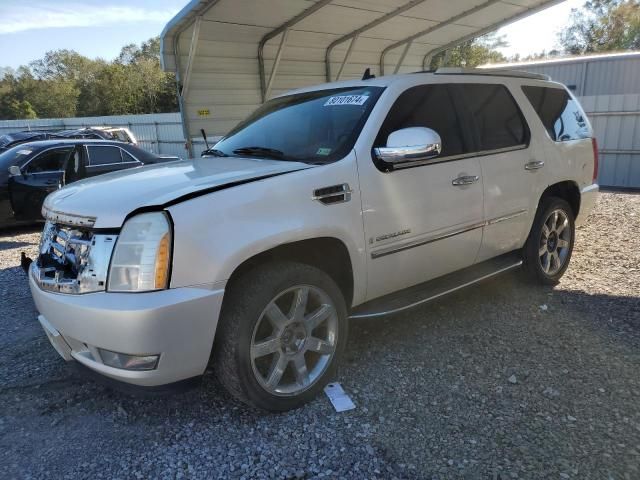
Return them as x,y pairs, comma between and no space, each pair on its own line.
177,325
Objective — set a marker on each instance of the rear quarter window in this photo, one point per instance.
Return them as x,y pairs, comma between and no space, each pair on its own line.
561,115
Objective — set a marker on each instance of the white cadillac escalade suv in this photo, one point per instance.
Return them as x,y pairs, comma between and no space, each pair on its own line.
347,200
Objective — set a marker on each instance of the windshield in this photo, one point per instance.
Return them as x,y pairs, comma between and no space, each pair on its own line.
313,127
14,156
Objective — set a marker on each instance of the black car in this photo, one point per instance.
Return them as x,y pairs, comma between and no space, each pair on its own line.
30,171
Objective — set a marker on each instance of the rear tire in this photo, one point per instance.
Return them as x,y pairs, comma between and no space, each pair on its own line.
282,329
548,249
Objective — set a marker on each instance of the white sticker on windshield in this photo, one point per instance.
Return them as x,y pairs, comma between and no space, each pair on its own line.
24,152
347,100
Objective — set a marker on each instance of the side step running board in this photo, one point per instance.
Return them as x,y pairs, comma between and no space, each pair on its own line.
436,288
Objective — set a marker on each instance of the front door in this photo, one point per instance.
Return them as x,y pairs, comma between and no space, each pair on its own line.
421,222
40,176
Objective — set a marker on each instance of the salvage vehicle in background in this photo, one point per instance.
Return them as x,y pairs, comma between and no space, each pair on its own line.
353,199
12,139
119,134
30,171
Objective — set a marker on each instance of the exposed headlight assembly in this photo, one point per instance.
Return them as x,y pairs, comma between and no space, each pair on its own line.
141,258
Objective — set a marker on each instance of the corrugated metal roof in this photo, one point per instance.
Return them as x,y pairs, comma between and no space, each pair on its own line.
225,51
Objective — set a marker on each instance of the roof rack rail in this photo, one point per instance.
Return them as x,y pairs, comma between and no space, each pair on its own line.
494,72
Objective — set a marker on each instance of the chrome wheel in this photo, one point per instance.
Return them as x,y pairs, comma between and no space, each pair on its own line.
294,340
555,241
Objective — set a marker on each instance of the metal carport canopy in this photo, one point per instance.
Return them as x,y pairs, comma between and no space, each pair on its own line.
231,55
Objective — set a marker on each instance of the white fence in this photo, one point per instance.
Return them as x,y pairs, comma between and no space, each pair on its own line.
158,133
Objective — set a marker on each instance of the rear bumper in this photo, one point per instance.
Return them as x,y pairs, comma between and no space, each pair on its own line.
177,324
588,198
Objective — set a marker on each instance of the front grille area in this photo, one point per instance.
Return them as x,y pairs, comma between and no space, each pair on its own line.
72,259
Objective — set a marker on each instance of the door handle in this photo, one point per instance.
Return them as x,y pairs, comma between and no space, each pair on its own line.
534,165
465,180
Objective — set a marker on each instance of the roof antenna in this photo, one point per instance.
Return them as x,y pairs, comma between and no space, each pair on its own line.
367,74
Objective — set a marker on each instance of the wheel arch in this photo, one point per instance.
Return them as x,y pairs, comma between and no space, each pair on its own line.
328,254
568,190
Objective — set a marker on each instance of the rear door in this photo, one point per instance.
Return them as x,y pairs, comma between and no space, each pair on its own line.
565,131
508,159
103,159
42,175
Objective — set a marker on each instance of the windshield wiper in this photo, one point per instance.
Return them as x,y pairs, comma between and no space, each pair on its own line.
261,152
215,152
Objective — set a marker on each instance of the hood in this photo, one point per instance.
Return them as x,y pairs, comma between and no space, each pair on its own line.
111,197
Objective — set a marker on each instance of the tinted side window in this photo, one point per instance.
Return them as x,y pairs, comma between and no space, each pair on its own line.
495,116
560,114
99,155
428,106
50,161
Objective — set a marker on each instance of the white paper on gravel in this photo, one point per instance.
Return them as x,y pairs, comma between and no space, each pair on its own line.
338,397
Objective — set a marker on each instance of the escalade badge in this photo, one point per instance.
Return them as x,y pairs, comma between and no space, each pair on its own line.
387,236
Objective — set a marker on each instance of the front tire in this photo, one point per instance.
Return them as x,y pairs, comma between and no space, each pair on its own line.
282,329
550,243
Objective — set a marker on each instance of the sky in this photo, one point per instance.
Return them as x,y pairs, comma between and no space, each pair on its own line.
100,28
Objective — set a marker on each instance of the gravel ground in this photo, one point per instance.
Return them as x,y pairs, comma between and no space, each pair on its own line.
503,380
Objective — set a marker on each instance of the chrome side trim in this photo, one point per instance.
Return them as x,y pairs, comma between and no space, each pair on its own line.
461,156
343,190
110,164
418,243
509,216
438,295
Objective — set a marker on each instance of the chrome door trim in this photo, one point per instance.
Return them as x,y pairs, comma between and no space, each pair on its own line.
448,234
452,158
418,243
506,217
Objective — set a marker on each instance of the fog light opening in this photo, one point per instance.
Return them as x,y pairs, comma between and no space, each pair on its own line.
129,362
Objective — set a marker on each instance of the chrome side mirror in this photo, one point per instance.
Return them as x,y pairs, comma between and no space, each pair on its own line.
409,145
15,171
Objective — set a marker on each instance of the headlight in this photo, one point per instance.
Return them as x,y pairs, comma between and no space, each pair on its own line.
140,261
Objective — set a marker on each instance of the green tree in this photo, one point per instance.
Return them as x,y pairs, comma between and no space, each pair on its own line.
14,108
66,84
472,53
601,26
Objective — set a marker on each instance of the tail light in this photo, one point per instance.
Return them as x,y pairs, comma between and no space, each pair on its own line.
594,143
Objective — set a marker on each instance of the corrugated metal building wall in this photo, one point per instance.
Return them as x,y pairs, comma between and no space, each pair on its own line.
159,133
608,87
